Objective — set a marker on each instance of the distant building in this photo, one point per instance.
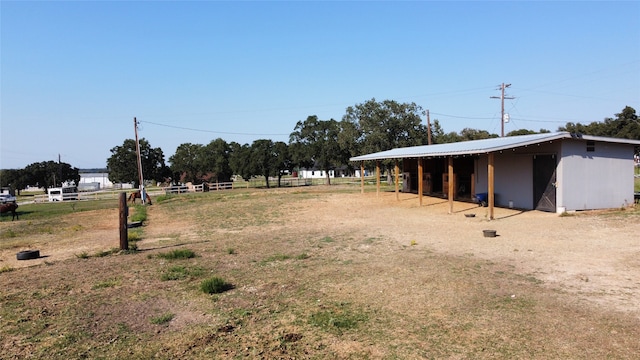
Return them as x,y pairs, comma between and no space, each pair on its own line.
94,179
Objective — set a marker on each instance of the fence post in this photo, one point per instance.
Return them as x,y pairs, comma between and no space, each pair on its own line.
124,210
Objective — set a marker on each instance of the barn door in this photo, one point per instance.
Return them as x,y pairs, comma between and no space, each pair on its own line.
544,182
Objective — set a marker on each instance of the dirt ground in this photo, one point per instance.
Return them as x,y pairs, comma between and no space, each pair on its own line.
594,256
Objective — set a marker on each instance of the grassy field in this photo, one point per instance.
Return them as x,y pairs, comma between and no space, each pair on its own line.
252,274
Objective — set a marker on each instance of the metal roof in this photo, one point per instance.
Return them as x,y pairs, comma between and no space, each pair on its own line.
484,146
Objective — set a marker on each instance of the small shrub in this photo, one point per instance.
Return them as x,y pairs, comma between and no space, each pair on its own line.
162,319
82,255
231,251
215,285
178,254
302,256
5,269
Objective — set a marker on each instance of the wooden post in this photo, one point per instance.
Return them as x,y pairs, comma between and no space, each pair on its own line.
490,198
377,177
451,184
420,175
473,184
362,177
124,212
397,168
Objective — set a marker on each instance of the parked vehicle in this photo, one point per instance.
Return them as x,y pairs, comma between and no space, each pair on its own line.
7,198
63,193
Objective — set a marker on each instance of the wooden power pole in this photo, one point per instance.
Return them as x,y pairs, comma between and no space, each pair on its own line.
428,129
502,97
140,177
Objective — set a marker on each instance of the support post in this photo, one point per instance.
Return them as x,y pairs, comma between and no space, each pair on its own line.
377,178
420,175
490,198
451,184
124,212
362,177
397,169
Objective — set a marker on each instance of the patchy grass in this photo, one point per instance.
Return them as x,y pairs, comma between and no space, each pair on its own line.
107,283
181,272
177,254
162,319
337,318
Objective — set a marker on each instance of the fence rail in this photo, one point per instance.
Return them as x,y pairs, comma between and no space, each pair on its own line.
183,189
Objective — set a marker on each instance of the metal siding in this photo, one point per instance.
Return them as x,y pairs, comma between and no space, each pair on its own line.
601,179
513,179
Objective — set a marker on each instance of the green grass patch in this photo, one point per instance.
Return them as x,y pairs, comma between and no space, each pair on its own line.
275,258
181,272
54,210
162,319
5,269
215,285
337,318
177,254
139,213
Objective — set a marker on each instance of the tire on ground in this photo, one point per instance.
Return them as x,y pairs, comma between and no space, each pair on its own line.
28,254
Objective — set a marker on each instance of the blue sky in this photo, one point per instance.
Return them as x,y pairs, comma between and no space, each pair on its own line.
75,74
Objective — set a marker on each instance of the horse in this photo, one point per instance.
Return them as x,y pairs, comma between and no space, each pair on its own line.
136,195
10,207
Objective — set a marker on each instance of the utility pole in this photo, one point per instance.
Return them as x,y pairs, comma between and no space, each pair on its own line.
428,128
502,97
59,171
140,178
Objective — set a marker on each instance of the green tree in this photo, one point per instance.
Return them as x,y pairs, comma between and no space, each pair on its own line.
263,159
187,163
282,162
467,134
16,179
526,132
240,160
380,126
215,158
50,174
386,125
123,163
625,125
316,142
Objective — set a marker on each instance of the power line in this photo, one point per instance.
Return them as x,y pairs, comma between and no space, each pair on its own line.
209,131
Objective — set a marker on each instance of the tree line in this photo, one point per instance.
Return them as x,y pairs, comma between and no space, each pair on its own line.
325,145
